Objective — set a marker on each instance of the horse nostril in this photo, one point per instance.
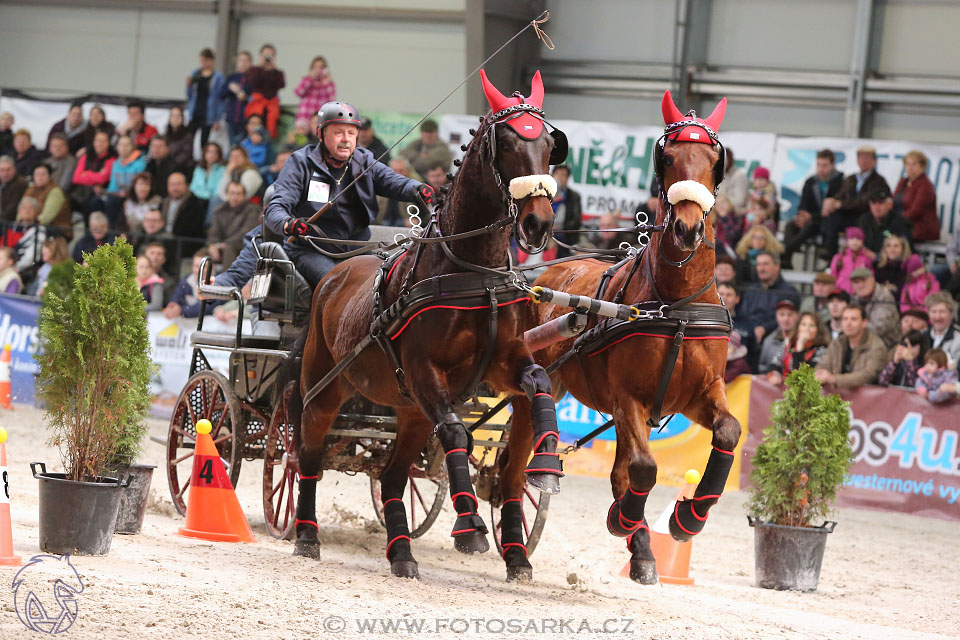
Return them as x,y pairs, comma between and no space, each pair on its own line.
679,228
700,228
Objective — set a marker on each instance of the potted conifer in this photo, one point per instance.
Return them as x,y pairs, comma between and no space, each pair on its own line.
797,468
94,381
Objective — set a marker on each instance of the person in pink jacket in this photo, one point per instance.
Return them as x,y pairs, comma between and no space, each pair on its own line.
854,256
919,284
315,89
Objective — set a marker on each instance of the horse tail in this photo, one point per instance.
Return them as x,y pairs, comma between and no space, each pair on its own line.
288,383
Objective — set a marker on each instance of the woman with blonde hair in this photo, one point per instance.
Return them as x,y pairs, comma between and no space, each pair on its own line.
918,199
889,266
757,238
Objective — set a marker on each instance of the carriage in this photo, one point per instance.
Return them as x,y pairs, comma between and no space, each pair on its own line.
249,414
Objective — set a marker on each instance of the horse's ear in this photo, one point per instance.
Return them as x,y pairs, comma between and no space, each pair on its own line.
670,112
714,119
536,90
496,99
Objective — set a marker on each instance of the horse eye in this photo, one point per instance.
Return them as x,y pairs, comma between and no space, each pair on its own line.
668,161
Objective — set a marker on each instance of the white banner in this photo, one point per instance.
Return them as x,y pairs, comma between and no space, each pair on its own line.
795,160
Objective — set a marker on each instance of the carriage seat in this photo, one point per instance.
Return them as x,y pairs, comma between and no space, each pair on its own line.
229,340
289,294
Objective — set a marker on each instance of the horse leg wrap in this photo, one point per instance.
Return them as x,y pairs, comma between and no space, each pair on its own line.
511,525
458,442
689,516
307,508
625,516
536,384
395,517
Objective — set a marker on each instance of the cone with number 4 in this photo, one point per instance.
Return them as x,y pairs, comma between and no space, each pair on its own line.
6,530
213,511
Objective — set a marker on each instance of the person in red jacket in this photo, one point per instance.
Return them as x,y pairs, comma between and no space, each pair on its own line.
266,81
92,175
137,127
918,198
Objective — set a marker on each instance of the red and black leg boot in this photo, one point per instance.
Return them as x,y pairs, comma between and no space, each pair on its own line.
469,532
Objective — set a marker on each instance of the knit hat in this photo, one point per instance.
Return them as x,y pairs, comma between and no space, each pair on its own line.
855,232
739,351
761,172
913,263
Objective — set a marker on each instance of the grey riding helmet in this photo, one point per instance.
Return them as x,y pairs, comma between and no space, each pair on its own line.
338,113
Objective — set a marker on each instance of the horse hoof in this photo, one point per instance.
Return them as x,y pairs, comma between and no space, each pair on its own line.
519,574
544,482
405,569
307,549
468,543
643,571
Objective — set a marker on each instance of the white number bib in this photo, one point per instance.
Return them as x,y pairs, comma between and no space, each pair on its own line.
318,191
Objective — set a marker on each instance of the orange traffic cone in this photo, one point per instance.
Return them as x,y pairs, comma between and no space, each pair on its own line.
5,377
213,511
6,530
672,557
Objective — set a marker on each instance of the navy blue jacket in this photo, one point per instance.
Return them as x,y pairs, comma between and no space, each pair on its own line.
758,306
307,164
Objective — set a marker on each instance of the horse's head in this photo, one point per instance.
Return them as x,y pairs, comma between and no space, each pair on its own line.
519,151
689,165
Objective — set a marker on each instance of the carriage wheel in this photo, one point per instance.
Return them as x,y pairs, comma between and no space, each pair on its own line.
280,475
207,394
534,515
424,504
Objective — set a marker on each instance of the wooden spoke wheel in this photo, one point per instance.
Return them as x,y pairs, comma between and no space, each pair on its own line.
209,395
424,503
534,515
281,473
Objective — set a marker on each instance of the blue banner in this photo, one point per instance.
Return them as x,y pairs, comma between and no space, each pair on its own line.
576,420
19,317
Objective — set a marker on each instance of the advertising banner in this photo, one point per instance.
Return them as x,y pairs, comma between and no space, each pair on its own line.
907,453
795,160
19,317
611,165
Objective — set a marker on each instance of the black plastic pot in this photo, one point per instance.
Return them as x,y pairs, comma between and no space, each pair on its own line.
788,557
76,517
133,498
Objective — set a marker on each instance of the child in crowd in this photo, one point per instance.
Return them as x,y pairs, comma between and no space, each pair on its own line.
919,284
151,285
760,212
762,188
935,381
9,278
300,136
257,143
852,257
908,357
729,224
315,90
184,301
736,358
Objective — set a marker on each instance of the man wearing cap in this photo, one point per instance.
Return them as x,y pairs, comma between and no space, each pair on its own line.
852,201
428,150
823,284
914,320
368,139
856,357
883,218
837,301
316,174
883,318
825,183
758,304
771,353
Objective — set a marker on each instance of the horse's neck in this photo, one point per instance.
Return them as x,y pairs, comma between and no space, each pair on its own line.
474,201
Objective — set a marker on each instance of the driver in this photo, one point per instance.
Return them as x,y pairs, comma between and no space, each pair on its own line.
315,174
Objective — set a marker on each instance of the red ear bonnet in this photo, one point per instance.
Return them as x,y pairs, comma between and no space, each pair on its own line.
526,125
672,115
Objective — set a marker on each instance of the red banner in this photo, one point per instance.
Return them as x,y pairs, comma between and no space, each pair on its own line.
907,450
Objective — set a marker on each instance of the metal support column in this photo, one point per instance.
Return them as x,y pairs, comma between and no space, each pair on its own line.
228,34
863,34
693,35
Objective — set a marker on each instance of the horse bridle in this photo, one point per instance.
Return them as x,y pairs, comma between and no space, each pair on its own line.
489,140
675,130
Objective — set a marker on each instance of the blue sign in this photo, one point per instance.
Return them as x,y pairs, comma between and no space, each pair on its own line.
18,328
576,420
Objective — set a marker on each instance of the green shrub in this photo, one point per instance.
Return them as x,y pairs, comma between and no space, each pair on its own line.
95,366
804,455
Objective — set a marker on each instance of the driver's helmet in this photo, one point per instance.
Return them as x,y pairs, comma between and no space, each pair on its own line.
338,113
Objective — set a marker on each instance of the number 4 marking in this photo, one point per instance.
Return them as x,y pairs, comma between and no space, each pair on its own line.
206,471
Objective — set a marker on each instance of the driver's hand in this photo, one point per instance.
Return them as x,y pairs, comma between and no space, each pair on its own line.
296,227
426,193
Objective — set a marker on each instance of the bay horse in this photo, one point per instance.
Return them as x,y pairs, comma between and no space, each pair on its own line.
620,375
432,358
